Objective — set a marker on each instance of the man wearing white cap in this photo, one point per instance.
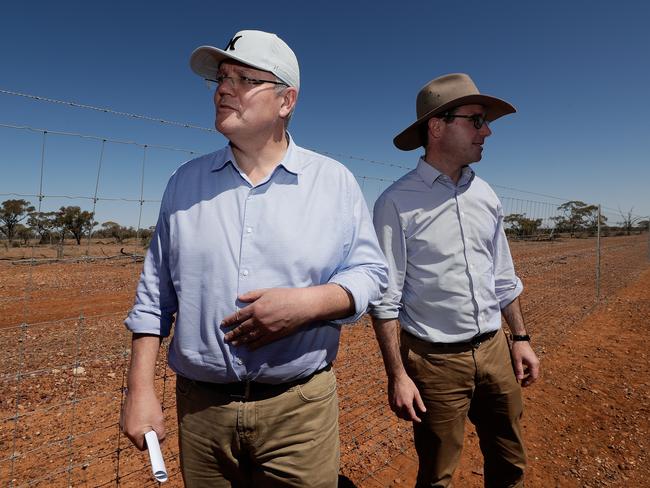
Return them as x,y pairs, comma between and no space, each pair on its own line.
262,251
451,278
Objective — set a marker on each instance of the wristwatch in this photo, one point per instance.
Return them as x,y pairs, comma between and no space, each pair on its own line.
520,338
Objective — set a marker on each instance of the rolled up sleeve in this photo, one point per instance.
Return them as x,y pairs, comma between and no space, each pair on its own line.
393,244
155,300
363,273
507,284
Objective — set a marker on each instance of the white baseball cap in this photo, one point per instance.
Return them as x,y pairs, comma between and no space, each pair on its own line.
257,49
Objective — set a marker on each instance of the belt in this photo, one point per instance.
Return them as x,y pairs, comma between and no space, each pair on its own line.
473,342
476,340
247,390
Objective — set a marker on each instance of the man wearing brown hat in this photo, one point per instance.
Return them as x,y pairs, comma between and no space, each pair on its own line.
451,278
258,292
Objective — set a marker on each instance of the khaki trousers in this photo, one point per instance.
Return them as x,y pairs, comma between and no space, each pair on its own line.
290,440
462,381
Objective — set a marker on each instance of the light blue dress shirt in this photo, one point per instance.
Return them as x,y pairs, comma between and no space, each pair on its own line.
219,236
450,268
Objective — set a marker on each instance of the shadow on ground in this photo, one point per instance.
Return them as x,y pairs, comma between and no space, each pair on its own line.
345,482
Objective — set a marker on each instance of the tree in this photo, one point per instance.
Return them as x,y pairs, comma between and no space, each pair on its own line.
11,213
577,216
629,220
592,221
114,230
44,224
522,226
146,235
76,221
24,233
643,225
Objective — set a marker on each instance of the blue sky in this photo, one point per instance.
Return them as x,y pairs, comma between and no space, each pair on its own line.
577,71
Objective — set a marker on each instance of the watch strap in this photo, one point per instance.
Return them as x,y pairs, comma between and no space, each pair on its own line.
520,337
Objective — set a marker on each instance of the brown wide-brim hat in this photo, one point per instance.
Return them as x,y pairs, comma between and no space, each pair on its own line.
445,93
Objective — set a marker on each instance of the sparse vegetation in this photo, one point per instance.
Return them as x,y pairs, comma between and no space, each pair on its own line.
12,212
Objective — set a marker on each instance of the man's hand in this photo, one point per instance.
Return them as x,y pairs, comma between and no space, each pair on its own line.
404,399
524,360
273,313
403,396
141,413
525,363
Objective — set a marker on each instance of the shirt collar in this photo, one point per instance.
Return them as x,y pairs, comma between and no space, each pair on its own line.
291,162
429,174
466,176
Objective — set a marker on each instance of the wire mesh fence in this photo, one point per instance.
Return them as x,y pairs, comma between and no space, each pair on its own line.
65,349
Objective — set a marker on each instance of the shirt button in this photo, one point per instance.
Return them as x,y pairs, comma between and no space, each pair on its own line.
249,230
244,273
462,214
239,361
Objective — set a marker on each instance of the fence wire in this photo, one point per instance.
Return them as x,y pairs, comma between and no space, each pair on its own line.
66,350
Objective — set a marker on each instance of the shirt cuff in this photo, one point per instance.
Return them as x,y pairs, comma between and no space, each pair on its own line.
384,312
507,295
359,294
148,322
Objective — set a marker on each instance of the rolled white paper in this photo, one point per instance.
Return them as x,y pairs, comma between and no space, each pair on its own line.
157,461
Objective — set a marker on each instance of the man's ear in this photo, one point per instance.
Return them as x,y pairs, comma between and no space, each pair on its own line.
435,127
289,98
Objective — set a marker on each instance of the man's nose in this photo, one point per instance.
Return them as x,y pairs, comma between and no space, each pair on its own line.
485,130
227,86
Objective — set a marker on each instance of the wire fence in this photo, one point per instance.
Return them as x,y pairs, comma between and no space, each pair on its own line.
66,351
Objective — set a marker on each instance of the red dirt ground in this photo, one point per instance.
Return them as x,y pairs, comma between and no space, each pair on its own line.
586,421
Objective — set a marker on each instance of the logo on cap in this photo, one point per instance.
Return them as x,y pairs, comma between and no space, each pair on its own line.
231,44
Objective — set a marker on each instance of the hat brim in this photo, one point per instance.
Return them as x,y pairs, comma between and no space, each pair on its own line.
410,138
205,61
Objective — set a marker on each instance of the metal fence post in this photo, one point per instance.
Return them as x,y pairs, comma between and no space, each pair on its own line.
598,257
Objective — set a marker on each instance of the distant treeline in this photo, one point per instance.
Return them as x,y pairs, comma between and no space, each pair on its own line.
575,219
21,223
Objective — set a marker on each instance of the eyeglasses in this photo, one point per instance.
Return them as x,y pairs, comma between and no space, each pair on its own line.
239,82
477,119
